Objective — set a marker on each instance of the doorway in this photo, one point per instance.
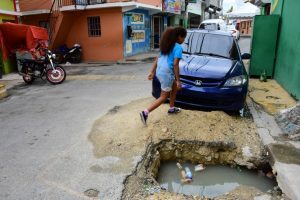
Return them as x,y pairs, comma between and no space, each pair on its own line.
156,31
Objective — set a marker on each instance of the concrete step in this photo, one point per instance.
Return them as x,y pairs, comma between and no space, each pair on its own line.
3,92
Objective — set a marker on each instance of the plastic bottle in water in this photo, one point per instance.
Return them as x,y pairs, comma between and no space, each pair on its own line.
188,172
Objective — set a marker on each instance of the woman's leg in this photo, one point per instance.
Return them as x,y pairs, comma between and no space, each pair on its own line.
173,95
163,97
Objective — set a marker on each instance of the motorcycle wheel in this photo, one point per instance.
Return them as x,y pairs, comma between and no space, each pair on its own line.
58,77
28,79
76,57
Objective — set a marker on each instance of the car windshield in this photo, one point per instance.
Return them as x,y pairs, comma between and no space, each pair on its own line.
209,26
210,44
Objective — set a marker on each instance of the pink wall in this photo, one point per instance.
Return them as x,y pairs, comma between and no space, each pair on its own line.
107,47
26,5
157,3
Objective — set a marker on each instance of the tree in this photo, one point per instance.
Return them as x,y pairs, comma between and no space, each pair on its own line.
230,9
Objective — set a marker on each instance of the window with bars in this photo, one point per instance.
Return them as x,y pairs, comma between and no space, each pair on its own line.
94,26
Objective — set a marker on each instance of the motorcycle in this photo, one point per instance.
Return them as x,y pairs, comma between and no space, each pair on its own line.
64,54
42,67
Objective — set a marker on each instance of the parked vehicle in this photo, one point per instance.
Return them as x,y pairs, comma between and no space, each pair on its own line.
233,31
42,67
212,73
30,45
72,55
213,25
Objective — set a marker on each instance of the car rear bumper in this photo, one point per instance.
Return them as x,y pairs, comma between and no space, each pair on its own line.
214,98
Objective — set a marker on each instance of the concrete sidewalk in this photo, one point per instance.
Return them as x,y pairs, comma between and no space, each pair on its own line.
266,99
143,57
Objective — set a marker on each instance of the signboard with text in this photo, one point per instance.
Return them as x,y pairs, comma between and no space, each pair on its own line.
138,36
172,6
137,18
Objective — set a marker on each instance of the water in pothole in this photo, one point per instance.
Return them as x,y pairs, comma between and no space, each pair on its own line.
213,181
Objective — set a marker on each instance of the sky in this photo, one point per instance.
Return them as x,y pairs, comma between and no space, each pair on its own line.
235,3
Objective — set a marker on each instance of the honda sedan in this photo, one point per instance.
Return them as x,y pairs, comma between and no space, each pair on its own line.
212,72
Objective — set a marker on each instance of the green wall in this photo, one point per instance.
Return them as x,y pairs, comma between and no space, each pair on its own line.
7,66
276,7
287,67
7,5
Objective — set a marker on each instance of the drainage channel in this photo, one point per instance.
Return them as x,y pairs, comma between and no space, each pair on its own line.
158,173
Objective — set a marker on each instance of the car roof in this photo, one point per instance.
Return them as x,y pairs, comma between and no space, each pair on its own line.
213,21
216,32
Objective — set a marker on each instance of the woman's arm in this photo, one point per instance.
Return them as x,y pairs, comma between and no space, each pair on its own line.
176,71
153,69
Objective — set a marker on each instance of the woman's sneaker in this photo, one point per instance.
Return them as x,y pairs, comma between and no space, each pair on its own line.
174,110
144,117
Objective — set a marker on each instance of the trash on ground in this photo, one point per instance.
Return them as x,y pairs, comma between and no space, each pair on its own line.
270,175
199,168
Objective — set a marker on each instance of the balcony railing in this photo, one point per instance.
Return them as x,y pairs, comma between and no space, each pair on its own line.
79,2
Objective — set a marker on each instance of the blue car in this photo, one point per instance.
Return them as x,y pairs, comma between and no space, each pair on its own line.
212,73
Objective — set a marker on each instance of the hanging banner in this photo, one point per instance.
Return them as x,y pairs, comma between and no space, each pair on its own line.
138,36
172,6
137,18
194,8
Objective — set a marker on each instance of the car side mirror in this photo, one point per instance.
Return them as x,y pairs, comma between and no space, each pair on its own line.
246,56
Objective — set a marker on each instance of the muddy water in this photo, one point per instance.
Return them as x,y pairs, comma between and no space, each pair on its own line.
213,181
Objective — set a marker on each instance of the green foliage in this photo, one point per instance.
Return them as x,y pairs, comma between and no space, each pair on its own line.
230,9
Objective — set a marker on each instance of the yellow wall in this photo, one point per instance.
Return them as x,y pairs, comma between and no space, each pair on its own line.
6,17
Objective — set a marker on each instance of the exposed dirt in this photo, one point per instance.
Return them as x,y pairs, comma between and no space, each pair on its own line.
270,95
120,133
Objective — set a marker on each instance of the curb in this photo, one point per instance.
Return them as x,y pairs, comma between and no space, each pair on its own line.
3,92
288,174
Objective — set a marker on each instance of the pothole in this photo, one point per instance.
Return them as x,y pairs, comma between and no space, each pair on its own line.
213,181
226,170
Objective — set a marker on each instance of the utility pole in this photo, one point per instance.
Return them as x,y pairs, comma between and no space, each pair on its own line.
186,14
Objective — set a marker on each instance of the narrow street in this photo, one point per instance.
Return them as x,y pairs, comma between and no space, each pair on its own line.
45,152
83,139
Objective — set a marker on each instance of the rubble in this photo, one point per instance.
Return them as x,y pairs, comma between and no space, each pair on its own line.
289,122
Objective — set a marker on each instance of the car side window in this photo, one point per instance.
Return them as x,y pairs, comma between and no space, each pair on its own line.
234,53
186,42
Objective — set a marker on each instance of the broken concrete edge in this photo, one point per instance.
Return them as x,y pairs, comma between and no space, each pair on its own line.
288,175
261,118
3,91
288,179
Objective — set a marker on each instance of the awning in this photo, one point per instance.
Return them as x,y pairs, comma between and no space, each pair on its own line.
13,13
126,6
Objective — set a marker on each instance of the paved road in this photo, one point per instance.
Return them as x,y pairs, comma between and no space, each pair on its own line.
245,43
44,150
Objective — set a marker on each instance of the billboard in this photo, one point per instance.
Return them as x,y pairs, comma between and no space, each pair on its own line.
172,6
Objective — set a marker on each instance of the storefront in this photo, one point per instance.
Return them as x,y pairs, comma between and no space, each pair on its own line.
136,26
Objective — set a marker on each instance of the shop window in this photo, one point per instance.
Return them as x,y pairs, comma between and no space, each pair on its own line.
94,26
